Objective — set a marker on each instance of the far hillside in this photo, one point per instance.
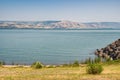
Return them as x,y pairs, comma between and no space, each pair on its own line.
57,25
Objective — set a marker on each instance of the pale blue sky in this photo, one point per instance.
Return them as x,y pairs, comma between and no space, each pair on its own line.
73,10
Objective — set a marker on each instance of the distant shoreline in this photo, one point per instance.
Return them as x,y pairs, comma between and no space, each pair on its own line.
16,65
57,29
58,25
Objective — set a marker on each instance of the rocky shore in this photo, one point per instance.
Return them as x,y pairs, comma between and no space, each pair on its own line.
112,51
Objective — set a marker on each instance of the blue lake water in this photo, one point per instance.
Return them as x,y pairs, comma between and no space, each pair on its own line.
52,46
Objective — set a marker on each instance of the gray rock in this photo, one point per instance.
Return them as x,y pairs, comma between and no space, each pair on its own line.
111,51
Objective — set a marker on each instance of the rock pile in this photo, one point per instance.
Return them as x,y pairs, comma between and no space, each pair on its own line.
112,51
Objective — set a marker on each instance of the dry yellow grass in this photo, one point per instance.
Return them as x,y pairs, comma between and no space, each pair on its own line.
111,72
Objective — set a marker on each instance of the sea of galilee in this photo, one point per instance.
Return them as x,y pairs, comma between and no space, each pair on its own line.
23,46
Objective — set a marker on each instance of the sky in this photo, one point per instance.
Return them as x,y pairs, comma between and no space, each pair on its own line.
72,10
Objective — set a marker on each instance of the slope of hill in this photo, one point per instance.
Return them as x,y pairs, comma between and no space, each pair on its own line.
58,25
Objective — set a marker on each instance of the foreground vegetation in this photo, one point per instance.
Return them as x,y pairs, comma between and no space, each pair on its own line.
110,72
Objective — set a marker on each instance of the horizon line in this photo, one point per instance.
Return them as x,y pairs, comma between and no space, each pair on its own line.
54,20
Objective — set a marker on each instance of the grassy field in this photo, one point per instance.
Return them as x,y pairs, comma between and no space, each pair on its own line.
111,72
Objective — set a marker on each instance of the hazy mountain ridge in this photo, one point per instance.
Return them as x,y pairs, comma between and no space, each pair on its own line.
57,25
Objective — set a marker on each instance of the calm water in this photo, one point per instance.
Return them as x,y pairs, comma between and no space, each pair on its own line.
52,46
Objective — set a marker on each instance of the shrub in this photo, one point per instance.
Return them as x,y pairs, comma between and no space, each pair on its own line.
37,65
94,68
2,63
75,64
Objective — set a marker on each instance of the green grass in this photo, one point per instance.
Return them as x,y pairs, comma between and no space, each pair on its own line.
111,72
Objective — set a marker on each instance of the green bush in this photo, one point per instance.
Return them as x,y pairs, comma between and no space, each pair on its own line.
2,63
94,68
75,64
37,65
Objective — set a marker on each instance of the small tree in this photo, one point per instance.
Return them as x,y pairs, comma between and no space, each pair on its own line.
37,65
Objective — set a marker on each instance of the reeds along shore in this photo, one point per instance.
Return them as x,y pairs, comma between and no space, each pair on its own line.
112,51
